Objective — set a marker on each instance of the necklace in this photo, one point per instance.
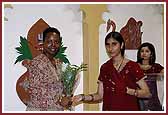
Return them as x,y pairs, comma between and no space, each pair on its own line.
118,66
145,67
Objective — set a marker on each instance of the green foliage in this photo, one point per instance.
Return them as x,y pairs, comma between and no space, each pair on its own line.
23,50
61,54
69,76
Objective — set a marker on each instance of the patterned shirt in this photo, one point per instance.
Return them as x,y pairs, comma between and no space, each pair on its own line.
45,86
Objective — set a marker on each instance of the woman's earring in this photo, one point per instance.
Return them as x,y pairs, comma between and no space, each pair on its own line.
151,57
122,46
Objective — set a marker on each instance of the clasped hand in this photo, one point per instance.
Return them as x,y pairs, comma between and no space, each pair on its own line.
66,101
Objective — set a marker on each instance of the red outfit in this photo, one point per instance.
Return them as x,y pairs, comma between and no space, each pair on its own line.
115,97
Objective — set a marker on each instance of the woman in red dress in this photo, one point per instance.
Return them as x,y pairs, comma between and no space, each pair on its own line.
120,81
146,58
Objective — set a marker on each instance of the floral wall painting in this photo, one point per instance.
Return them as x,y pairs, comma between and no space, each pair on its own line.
131,32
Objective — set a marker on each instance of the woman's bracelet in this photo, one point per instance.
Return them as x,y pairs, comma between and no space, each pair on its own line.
83,97
92,97
136,93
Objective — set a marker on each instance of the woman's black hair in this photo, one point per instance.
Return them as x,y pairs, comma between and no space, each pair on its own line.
117,36
152,56
51,29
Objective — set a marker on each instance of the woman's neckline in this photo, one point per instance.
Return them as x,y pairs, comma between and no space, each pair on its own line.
118,66
125,61
145,67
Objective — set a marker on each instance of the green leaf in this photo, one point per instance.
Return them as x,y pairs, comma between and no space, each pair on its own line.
23,50
62,49
60,55
69,76
19,58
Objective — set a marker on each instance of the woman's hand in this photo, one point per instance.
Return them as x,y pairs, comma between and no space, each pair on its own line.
76,99
144,91
130,91
66,101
